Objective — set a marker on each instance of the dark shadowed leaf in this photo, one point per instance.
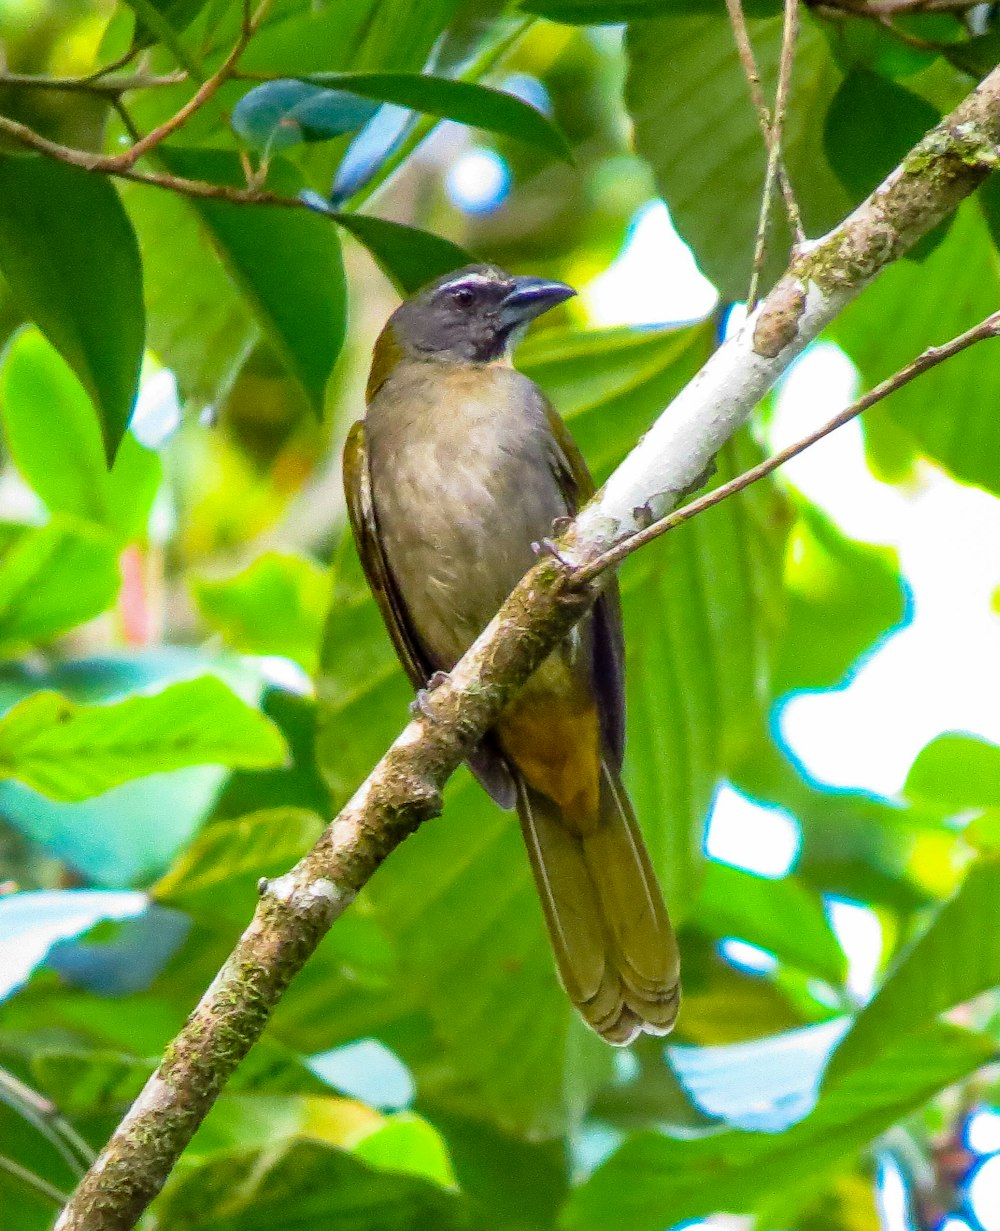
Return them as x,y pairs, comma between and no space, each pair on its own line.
409,257
268,250
870,126
71,258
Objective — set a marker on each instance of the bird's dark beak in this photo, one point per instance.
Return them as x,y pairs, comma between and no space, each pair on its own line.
530,297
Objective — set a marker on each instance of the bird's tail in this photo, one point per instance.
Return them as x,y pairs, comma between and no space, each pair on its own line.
614,946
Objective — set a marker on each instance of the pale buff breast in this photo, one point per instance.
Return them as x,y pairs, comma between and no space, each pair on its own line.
460,491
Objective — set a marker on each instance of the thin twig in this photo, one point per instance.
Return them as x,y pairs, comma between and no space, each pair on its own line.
89,85
123,61
789,34
47,1119
989,328
131,156
55,1195
748,60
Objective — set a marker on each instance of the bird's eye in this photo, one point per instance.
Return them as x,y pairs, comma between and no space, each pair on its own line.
463,296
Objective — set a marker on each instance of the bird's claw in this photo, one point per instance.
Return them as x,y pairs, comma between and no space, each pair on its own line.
419,706
546,547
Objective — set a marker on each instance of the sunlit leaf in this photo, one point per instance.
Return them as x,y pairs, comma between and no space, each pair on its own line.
69,751
53,578
55,440
956,771
276,606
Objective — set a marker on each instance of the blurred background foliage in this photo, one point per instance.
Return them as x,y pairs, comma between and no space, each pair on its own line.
194,677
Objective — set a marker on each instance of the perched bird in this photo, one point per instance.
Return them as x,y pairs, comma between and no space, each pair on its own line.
458,466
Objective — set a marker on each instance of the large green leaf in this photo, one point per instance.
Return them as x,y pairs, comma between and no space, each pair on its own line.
267,250
695,125
655,1179
703,613
951,411
69,253
55,441
51,579
305,1185
955,959
70,752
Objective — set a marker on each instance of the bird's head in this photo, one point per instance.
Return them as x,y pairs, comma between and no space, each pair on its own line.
473,315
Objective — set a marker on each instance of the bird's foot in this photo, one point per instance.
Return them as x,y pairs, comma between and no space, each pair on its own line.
419,706
546,547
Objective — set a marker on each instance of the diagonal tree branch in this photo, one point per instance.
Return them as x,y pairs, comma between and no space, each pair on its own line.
296,909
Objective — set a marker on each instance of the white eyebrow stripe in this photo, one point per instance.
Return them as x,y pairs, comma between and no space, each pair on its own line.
468,281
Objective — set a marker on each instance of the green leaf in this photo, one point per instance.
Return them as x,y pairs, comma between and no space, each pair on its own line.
956,958
276,606
781,916
61,454
70,752
842,596
613,12
218,873
957,772
409,257
465,102
737,1172
694,124
267,250
52,579
698,673
199,324
280,114
305,1185
69,253
872,123
951,411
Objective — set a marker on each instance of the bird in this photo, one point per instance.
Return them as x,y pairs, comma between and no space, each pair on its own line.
459,465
